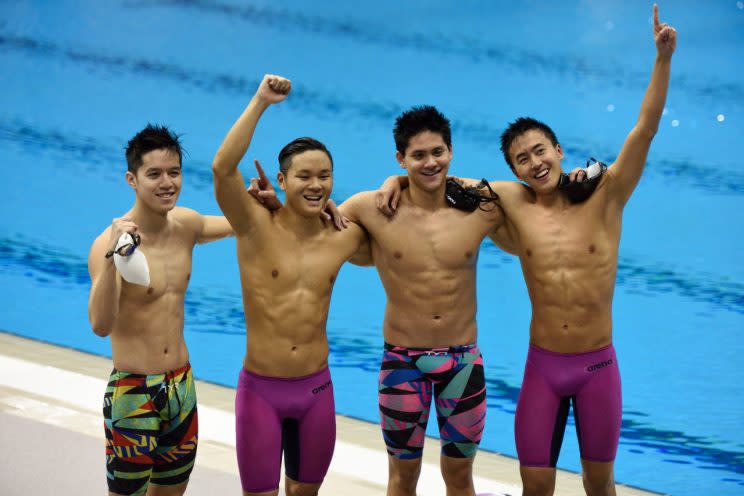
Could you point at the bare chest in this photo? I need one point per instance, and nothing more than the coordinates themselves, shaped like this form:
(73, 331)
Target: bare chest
(170, 270)
(281, 261)
(447, 240)
(572, 237)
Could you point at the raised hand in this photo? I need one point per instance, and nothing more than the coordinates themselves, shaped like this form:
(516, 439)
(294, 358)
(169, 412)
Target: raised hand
(262, 189)
(273, 89)
(665, 36)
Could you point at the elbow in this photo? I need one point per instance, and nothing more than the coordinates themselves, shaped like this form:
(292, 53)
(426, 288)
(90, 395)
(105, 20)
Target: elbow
(217, 168)
(101, 327)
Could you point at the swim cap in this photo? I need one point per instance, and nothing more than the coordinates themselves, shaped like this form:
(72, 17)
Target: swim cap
(133, 268)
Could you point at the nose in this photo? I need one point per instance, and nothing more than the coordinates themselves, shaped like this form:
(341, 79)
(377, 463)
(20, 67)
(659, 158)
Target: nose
(314, 184)
(536, 161)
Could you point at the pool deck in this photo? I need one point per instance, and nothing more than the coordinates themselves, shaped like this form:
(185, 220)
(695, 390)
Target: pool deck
(51, 428)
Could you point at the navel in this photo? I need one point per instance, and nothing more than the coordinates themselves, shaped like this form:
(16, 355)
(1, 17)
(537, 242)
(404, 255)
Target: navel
(437, 317)
(274, 273)
(592, 248)
(165, 351)
(398, 255)
(468, 254)
(565, 327)
(150, 290)
(529, 252)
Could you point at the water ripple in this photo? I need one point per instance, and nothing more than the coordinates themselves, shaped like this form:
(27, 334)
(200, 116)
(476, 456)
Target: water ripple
(218, 311)
(600, 72)
(343, 107)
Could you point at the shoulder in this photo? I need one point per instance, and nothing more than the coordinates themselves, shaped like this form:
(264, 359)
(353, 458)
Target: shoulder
(188, 218)
(358, 204)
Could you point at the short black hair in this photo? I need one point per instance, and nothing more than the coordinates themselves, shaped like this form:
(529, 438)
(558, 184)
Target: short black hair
(297, 146)
(518, 128)
(419, 119)
(152, 137)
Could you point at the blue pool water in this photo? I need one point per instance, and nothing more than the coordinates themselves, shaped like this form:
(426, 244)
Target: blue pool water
(80, 77)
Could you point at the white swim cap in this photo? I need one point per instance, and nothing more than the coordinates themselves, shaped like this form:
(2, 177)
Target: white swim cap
(133, 268)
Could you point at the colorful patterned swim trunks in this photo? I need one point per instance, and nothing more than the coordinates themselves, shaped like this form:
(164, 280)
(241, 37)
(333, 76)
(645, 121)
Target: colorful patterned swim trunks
(151, 429)
(407, 378)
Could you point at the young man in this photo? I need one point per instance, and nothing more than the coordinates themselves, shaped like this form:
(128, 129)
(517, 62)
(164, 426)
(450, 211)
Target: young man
(426, 257)
(150, 403)
(568, 253)
(288, 260)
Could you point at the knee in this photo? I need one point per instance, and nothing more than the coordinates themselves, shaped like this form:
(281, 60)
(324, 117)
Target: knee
(460, 478)
(537, 487)
(404, 479)
(598, 485)
(292, 488)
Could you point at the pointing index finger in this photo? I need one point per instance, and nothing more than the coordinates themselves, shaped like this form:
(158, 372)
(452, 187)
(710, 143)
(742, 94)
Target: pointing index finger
(263, 180)
(656, 17)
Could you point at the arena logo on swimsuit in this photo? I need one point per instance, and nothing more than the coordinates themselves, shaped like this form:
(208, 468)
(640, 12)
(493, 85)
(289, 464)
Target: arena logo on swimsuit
(597, 366)
(321, 388)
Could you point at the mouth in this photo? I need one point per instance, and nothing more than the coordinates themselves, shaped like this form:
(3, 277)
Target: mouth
(541, 174)
(313, 200)
(431, 172)
(166, 196)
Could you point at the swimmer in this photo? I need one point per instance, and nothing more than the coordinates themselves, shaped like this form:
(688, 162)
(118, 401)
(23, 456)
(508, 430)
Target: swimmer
(569, 254)
(289, 260)
(426, 257)
(150, 412)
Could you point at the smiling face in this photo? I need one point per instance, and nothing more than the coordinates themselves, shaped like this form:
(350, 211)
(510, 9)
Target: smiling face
(536, 161)
(308, 182)
(157, 182)
(427, 158)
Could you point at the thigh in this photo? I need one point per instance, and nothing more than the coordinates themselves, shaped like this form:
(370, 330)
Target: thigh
(132, 427)
(460, 399)
(258, 439)
(308, 442)
(540, 421)
(598, 413)
(404, 396)
(176, 452)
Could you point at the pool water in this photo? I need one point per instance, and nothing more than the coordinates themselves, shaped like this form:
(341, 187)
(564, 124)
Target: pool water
(80, 78)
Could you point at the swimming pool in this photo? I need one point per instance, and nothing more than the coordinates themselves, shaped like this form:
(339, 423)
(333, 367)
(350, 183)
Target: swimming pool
(79, 78)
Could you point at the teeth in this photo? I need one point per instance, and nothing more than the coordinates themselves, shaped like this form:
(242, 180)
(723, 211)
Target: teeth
(541, 174)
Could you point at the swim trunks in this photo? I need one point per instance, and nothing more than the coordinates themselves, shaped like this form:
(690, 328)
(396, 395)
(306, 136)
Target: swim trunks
(407, 378)
(591, 381)
(151, 429)
(295, 416)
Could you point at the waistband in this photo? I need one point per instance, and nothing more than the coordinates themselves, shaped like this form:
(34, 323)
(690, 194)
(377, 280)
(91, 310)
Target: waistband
(405, 350)
(325, 371)
(150, 377)
(537, 349)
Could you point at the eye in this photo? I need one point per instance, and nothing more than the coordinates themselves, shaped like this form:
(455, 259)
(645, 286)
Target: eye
(540, 151)
(325, 177)
(438, 152)
(175, 173)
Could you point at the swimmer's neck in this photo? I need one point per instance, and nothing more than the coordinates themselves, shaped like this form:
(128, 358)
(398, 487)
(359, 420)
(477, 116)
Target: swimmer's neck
(426, 200)
(303, 227)
(552, 200)
(148, 221)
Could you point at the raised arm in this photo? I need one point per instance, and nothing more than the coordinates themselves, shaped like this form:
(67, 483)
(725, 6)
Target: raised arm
(105, 289)
(229, 186)
(628, 167)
